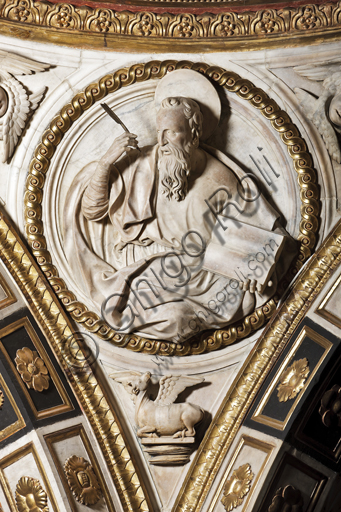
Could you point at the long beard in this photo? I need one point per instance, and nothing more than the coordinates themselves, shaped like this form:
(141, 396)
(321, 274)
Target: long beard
(174, 170)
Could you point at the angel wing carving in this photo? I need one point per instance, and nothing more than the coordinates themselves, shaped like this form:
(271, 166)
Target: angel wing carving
(12, 64)
(326, 118)
(16, 105)
(171, 386)
(319, 71)
(315, 110)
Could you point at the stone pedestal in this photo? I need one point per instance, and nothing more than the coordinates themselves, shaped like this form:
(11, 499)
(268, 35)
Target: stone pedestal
(167, 451)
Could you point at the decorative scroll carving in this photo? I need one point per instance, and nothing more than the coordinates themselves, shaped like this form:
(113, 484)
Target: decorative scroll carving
(2, 399)
(237, 487)
(267, 22)
(288, 498)
(63, 16)
(293, 21)
(281, 123)
(30, 496)
(227, 25)
(82, 480)
(32, 369)
(330, 409)
(292, 380)
(166, 428)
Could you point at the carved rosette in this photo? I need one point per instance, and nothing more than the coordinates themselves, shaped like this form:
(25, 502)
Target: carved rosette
(289, 499)
(330, 409)
(292, 380)
(32, 369)
(237, 487)
(82, 480)
(30, 496)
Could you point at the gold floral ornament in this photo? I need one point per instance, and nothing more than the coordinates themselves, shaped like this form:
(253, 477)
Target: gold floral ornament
(2, 399)
(32, 369)
(82, 480)
(237, 487)
(30, 496)
(292, 380)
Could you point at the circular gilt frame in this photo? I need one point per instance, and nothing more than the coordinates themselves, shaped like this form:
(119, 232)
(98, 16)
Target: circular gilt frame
(281, 123)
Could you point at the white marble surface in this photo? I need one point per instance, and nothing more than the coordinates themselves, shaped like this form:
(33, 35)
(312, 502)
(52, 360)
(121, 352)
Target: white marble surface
(244, 132)
(74, 69)
(26, 466)
(68, 449)
(333, 305)
(16, 292)
(259, 460)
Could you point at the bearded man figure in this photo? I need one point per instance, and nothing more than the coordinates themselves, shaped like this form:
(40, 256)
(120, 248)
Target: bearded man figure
(137, 239)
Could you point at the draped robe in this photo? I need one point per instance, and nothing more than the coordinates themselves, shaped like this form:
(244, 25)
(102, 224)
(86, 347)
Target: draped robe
(129, 259)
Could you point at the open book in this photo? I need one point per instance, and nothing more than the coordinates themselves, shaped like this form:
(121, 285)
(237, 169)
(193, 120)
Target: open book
(244, 252)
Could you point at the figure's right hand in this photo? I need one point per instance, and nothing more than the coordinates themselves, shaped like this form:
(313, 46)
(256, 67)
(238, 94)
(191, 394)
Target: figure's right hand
(124, 142)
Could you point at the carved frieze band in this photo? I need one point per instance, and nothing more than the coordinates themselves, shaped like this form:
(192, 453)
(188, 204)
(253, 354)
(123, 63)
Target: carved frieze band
(264, 23)
(280, 122)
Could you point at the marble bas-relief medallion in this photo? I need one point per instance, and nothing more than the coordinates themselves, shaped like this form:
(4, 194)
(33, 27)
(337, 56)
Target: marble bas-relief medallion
(154, 233)
(16, 104)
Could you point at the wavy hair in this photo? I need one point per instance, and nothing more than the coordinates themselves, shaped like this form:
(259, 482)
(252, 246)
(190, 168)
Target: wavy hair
(191, 111)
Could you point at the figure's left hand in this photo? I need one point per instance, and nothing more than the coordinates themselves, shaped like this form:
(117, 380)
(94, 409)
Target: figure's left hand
(252, 285)
(248, 285)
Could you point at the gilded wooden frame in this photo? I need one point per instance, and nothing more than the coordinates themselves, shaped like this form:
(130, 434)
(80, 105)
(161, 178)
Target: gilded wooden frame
(66, 406)
(67, 433)
(322, 310)
(148, 28)
(254, 443)
(258, 415)
(219, 436)
(280, 122)
(20, 422)
(14, 457)
(10, 297)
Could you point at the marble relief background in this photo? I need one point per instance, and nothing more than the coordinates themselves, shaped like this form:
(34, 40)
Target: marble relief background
(250, 141)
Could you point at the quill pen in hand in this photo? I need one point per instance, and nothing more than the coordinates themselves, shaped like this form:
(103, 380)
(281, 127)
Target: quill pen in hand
(115, 118)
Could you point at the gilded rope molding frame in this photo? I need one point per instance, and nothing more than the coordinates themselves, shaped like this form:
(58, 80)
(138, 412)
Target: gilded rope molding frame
(123, 30)
(59, 331)
(39, 166)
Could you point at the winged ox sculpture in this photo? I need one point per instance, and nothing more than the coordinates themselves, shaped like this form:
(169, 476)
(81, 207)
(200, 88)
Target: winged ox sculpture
(161, 417)
(16, 104)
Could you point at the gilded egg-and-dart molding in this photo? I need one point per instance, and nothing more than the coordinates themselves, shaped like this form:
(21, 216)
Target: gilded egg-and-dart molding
(82, 480)
(32, 369)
